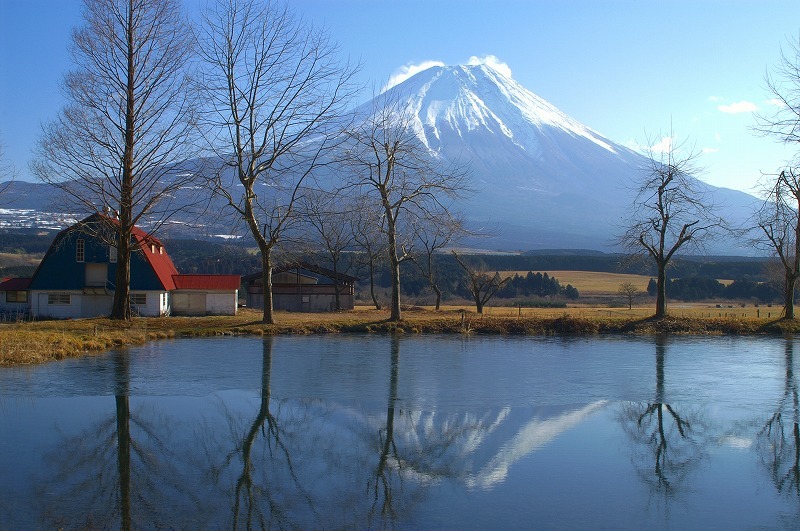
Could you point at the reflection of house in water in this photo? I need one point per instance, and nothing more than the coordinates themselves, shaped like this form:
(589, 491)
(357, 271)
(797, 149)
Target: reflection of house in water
(302, 287)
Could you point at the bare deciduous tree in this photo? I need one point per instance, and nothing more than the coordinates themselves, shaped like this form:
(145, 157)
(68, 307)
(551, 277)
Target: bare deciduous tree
(670, 210)
(275, 91)
(629, 291)
(128, 121)
(433, 234)
(783, 84)
(329, 216)
(366, 226)
(778, 217)
(779, 221)
(481, 284)
(389, 163)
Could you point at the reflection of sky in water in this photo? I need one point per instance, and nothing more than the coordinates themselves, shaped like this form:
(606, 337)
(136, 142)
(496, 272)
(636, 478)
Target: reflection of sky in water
(477, 432)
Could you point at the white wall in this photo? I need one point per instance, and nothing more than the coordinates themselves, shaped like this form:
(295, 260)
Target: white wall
(156, 304)
(222, 302)
(40, 308)
(11, 310)
(195, 302)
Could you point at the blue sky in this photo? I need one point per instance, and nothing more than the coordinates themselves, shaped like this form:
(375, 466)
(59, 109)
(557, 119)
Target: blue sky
(627, 69)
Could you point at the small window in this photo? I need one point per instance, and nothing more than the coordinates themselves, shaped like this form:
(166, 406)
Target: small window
(80, 251)
(59, 298)
(112, 254)
(16, 296)
(139, 299)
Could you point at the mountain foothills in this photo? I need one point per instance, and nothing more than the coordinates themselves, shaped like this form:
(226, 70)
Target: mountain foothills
(538, 179)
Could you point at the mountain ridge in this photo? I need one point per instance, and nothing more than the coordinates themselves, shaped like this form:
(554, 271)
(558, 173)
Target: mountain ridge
(541, 179)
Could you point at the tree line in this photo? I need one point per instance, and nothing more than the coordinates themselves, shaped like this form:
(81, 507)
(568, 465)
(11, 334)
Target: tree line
(703, 288)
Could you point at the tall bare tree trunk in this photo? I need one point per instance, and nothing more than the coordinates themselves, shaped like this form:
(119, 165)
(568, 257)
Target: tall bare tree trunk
(788, 295)
(394, 263)
(266, 282)
(661, 292)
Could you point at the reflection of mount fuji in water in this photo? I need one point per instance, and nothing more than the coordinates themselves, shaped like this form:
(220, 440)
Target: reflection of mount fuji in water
(479, 449)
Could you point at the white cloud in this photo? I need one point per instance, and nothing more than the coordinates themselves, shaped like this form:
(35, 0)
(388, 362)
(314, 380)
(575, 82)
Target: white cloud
(776, 102)
(407, 71)
(738, 107)
(710, 150)
(662, 146)
(714, 99)
(492, 62)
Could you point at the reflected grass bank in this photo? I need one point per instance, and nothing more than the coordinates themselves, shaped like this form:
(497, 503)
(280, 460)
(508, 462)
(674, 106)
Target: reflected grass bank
(42, 341)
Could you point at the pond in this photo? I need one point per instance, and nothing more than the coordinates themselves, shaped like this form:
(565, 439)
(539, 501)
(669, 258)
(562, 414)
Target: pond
(409, 432)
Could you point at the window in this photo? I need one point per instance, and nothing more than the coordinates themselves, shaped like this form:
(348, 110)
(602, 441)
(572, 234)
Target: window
(139, 299)
(16, 296)
(112, 254)
(59, 298)
(80, 250)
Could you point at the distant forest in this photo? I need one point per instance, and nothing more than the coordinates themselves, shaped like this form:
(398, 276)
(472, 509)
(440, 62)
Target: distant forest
(690, 279)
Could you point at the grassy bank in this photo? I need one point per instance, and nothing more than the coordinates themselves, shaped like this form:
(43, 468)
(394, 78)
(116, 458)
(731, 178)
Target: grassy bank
(36, 342)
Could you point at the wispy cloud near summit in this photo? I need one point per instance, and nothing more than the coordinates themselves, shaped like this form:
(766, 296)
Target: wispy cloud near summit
(492, 62)
(409, 70)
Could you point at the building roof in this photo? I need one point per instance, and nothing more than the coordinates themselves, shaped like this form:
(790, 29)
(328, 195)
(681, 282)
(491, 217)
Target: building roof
(211, 282)
(154, 252)
(341, 278)
(15, 284)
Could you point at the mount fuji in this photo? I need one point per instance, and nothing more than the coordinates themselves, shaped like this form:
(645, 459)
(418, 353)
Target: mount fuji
(540, 178)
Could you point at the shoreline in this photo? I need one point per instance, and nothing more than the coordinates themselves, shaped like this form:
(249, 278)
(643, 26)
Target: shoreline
(34, 342)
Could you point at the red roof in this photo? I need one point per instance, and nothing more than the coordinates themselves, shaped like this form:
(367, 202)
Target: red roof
(157, 257)
(212, 282)
(15, 284)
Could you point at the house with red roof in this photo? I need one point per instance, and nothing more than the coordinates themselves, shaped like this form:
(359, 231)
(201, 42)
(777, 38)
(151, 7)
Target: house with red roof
(14, 298)
(76, 277)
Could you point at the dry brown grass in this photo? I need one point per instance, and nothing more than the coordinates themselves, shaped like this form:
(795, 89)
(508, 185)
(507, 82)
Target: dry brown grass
(591, 283)
(18, 260)
(40, 341)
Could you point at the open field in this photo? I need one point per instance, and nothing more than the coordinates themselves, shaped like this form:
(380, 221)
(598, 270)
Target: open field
(8, 260)
(591, 283)
(41, 341)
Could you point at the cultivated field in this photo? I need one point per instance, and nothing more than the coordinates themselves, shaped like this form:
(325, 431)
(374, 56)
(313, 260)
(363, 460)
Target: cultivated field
(591, 283)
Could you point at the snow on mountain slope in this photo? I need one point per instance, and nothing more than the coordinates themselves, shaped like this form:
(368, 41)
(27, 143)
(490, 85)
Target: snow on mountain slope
(541, 178)
(468, 98)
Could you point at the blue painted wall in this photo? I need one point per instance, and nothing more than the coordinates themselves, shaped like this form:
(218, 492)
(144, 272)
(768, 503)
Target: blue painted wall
(59, 269)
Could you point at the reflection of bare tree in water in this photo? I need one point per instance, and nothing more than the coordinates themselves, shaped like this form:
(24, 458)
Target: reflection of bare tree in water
(387, 444)
(119, 473)
(305, 463)
(426, 454)
(669, 437)
(262, 499)
(779, 439)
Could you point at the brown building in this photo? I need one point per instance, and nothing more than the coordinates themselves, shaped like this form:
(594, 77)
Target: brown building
(302, 287)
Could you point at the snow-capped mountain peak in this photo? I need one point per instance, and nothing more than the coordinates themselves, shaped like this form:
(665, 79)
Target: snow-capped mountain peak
(475, 99)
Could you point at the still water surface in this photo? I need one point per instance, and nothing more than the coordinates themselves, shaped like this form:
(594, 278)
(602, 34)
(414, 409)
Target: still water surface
(409, 432)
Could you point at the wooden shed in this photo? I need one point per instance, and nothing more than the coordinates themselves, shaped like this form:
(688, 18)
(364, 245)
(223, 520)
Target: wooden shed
(303, 287)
